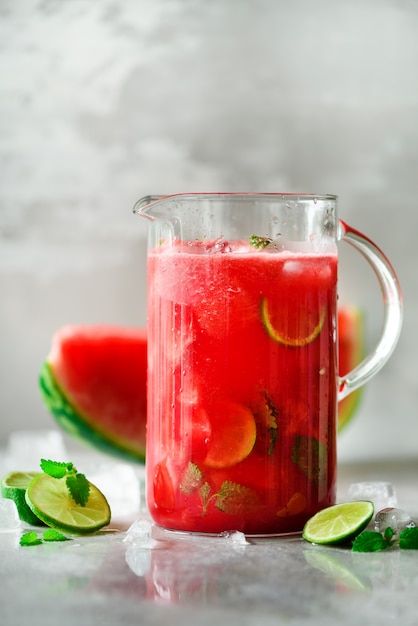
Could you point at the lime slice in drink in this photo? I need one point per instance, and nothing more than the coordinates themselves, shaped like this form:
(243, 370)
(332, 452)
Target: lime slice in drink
(50, 500)
(297, 330)
(233, 434)
(13, 487)
(339, 522)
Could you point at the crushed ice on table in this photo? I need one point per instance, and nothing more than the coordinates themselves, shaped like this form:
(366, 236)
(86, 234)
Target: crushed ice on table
(382, 494)
(391, 517)
(234, 537)
(139, 531)
(9, 517)
(120, 485)
(26, 448)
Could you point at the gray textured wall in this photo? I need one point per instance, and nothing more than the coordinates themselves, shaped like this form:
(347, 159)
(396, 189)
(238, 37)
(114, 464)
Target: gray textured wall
(103, 102)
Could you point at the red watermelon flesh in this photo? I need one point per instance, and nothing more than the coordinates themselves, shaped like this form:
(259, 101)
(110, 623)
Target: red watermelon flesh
(350, 353)
(100, 370)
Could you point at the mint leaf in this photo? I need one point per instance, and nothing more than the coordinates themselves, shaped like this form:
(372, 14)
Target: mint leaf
(370, 541)
(54, 535)
(235, 499)
(259, 242)
(54, 468)
(310, 455)
(79, 488)
(30, 539)
(408, 539)
(266, 412)
(191, 479)
(204, 492)
(388, 534)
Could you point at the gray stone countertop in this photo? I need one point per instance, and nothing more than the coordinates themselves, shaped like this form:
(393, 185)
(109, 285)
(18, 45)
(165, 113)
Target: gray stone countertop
(169, 578)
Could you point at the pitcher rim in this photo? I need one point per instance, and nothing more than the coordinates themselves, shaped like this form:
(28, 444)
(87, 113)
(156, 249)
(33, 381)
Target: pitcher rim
(147, 201)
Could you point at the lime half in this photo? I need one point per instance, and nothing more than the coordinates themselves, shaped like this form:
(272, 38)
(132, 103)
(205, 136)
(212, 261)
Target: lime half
(13, 487)
(339, 522)
(50, 500)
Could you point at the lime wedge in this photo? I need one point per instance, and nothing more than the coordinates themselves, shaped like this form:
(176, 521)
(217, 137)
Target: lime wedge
(50, 500)
(339, 522)
(13, 487)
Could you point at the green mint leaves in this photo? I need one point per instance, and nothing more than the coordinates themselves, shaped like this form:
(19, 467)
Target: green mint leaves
(77, 484)
(310, 455)
(408, 539)
(259, 242)
(372, 541)
(231, 498)
(31, 538)
(79, 488)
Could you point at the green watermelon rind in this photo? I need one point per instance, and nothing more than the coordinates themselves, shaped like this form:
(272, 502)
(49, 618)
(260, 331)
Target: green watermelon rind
(74, 424)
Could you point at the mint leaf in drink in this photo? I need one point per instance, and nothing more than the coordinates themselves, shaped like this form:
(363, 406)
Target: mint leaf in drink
(191, 479)
(205, 492)
(408, 539)
(370, 541)
(259, 242)
(235, 499)
(30, 539)
(54, 468)
(54, 535)
(266, 415)
(79, 488)
(310, 455)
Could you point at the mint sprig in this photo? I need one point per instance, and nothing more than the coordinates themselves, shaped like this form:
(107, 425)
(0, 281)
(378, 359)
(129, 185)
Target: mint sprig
(373, 541)
(77, 484)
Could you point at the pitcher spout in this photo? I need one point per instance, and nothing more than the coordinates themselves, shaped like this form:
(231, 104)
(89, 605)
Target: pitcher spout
(143, 204)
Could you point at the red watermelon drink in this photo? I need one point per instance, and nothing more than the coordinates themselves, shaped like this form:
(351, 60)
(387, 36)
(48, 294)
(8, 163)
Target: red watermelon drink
(242, 386)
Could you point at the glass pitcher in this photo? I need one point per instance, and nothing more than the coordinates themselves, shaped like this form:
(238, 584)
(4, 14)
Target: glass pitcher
(243, 378)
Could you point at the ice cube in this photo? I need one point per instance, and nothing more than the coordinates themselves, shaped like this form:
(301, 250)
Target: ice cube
(138, 531)
(119, 484)
(26, 448)
(235, 537)
(382, 494)
(391, 517)
(9, 517)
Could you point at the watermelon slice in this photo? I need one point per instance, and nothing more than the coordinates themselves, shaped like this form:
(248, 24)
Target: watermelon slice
(94, 383)
(350, 353)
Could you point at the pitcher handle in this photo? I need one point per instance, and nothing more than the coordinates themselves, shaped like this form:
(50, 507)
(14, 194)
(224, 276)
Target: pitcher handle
(392, 311)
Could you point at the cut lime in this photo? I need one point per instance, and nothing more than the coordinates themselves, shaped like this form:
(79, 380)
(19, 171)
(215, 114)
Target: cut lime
(13, 487)
(50, 500)
(339, 522)
(295, 331)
